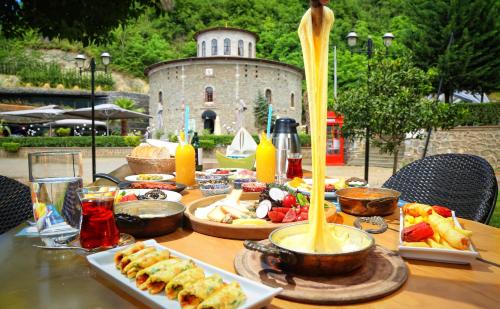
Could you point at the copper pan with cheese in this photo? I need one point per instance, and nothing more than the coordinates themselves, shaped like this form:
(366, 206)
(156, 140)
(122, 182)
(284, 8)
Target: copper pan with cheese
(287, 243)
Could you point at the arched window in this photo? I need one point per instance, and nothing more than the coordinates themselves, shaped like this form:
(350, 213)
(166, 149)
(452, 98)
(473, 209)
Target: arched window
(203, 49)
(209, 94)
(214, 47)
(240, 48)
(227, 46)
(160, 97)
(250, 50)
(269, 98)
(292, 100)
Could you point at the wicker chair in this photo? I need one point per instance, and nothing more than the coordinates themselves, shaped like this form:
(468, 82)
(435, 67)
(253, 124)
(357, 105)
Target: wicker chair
(15, 203)
(464, 183)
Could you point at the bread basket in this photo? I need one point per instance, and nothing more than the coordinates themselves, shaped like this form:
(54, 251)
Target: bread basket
(151, 166)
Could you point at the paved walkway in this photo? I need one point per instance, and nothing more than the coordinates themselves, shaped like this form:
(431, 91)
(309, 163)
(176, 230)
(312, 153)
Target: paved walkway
(17, 168)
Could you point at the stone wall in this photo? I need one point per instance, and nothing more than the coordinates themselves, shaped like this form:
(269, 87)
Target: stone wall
(482, 141)
(183, 82)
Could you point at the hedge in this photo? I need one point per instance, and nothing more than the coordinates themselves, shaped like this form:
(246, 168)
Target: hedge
(74, 141)
(478, 114)
(11, 146)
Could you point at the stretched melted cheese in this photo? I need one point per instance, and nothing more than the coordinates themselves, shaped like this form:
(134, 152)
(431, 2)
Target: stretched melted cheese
(315, 53)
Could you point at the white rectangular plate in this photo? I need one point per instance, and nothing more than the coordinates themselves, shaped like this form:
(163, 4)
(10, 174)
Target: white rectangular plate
(434, 254)
(258, 295)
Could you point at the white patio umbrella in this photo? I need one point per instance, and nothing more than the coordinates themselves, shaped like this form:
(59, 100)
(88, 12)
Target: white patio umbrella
(47, 113)
(74, 122)
(107, 112)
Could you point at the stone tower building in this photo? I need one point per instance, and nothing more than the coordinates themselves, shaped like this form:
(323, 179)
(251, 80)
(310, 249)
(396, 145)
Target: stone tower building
(224, 77)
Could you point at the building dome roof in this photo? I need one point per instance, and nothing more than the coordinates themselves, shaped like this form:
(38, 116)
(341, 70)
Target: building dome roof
(227, 29)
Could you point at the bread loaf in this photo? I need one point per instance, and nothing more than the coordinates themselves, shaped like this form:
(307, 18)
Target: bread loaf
(147, 151)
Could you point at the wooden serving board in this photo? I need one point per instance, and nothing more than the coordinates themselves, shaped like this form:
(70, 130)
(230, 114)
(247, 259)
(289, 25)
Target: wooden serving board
(224, 230)
(384, 273)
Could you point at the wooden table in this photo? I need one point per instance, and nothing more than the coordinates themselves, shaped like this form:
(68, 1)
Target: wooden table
(430, 284)
(38, 278)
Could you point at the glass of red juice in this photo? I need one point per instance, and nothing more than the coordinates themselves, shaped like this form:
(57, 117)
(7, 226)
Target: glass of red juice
(98, 228)
(294, 166)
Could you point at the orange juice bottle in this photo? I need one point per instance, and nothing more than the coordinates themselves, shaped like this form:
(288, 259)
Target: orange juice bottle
(185, 164)
(266, 160)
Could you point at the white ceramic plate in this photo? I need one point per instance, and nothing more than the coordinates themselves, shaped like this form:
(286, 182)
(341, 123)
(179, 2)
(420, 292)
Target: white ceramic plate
(232, 171)
(434, 254)
(135, 178)
(171, 195)
(308, 181)
(258, 295)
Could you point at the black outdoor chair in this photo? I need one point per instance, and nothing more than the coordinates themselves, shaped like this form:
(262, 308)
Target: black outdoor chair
(464, 183)
(15, 203)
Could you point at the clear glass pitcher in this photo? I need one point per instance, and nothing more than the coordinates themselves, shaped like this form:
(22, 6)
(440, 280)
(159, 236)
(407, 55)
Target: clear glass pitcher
(55, 178)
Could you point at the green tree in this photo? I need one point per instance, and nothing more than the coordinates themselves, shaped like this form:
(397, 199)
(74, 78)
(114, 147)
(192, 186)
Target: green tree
(84, 20)
(461, 38)
(260, 111)
(130, 105)
(393, 104)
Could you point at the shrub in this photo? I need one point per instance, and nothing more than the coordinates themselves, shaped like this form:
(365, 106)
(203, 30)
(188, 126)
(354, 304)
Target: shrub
(305, 140)
(207, 144)
(73, 141)
(63, 131)
(478, 114)
(132, 140)
(11, 146)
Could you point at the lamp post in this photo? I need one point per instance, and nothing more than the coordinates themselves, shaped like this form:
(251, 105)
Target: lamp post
(80, 62)
(352, 38)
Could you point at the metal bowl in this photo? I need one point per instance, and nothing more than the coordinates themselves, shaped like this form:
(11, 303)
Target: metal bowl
(314, 264)
(368, 201)
(149, 218)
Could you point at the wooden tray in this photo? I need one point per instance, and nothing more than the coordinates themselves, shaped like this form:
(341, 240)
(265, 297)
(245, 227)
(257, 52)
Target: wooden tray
(224, 230)
(384, 273)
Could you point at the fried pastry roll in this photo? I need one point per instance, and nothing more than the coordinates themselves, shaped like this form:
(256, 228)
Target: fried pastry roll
(231, 296)
(158, 281)
(142, 277)
(134, 256)
(127, 251)
(195, 294)
(183, 280)
(147, 260)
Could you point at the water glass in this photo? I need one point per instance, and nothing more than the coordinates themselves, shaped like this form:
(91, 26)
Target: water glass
(55, 178)
(98, 221)
(294, 166)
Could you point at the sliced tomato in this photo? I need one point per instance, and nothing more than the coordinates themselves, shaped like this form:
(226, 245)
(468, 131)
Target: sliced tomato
(304, 209)
(128, 198)
(276, 216)
(303, 216)
(291, 216)
(283, 210)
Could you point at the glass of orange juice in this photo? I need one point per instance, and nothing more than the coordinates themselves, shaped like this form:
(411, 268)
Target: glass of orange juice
(185, 164)
(266, 160)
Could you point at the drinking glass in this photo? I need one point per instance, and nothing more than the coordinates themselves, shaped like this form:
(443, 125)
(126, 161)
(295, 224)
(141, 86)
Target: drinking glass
(55, 178)
(281, 166)
(294, 166)
(98, 221)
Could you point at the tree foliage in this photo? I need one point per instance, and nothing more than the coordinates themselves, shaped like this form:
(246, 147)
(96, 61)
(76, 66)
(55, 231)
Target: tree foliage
(83, 20)
(392, 104)
(260, 111)
(130, 105)
(461, 38)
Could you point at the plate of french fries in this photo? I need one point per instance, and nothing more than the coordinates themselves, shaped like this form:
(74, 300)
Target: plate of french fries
(433, 233)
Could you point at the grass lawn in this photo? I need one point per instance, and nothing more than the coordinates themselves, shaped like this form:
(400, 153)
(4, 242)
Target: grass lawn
(495, 219)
